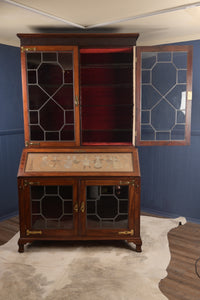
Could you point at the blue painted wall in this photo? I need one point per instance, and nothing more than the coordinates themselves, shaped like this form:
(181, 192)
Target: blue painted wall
(171, 175)
(11, 128)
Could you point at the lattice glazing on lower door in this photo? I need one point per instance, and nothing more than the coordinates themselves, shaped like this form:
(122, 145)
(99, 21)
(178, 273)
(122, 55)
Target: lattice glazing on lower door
(107, 206)
(52, 207)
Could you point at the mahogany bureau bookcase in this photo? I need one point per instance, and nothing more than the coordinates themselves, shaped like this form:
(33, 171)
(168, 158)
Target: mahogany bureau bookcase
(88, 101)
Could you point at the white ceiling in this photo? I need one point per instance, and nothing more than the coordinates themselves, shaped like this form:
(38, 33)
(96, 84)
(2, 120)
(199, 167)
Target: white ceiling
(157, 21)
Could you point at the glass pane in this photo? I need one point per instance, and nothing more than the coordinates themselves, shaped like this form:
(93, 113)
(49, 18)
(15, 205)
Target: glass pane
(36, 133)
(121, 192)
(33, 117)
(107, 206)
(64, 97)
(68, 207)
(52, 206)
(181, 116)
(145, 116)
(162, 116)
(51, 190)
(67, 133)
(178, 132)
(69, 116)
(52, 136)
(51, 116)
(164, 56)
(65, 60)
(32, 77)
(50, 77)
(38, 222)
(163, 95)
(33, 60)
(66, 192)
(107, 190)
(177, 96)
(49, 56)
(147, 133)
(66, 222)
(37, 97)
(162, 136)
(37, 192)
(51, 96)
(36, 207)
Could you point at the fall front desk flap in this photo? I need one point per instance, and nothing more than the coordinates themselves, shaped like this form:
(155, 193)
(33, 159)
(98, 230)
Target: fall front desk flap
(75, 162)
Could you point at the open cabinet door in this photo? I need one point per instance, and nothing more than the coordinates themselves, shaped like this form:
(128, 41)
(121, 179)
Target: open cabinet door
(163, 95)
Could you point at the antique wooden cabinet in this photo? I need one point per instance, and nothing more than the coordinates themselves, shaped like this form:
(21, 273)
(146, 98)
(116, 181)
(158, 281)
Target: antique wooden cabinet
(86, 101)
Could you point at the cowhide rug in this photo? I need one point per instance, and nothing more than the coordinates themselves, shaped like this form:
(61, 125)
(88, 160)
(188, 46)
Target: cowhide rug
(88, 270)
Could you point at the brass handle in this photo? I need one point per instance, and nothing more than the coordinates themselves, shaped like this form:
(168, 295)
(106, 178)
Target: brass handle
(76, 207)
(131, 232)
(29, 232)
(82, 208)
(127, 182)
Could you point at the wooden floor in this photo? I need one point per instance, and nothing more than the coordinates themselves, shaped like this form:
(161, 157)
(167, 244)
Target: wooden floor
(182, 282)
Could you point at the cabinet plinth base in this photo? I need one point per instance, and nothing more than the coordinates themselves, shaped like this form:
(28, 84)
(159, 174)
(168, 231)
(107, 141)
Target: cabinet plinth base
(22, 241)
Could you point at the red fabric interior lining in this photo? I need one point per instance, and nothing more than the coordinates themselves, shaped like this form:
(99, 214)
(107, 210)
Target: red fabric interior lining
(106, 76)
(106, 96)
(107, 50)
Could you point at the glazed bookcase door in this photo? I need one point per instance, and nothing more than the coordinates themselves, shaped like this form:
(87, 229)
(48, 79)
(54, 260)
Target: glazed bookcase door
(163, 95)
(109, 208)
(51, 95)
(51, 207)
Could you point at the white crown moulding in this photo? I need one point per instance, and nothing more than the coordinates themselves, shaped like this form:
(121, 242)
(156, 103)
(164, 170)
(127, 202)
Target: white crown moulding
(148, 14)
(140, 16)
(40, 12)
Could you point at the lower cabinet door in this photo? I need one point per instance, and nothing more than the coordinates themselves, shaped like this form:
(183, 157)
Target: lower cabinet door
(109, 208)
(52, 208)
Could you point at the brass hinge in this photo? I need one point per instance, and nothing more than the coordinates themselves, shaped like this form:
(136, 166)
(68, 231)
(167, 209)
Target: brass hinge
(27, 144)
(29, 232)
(135, 133)
(189, 95)
(131, 232)
(76, 101)
(131, 182)
(26, 183)
(23, 49)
